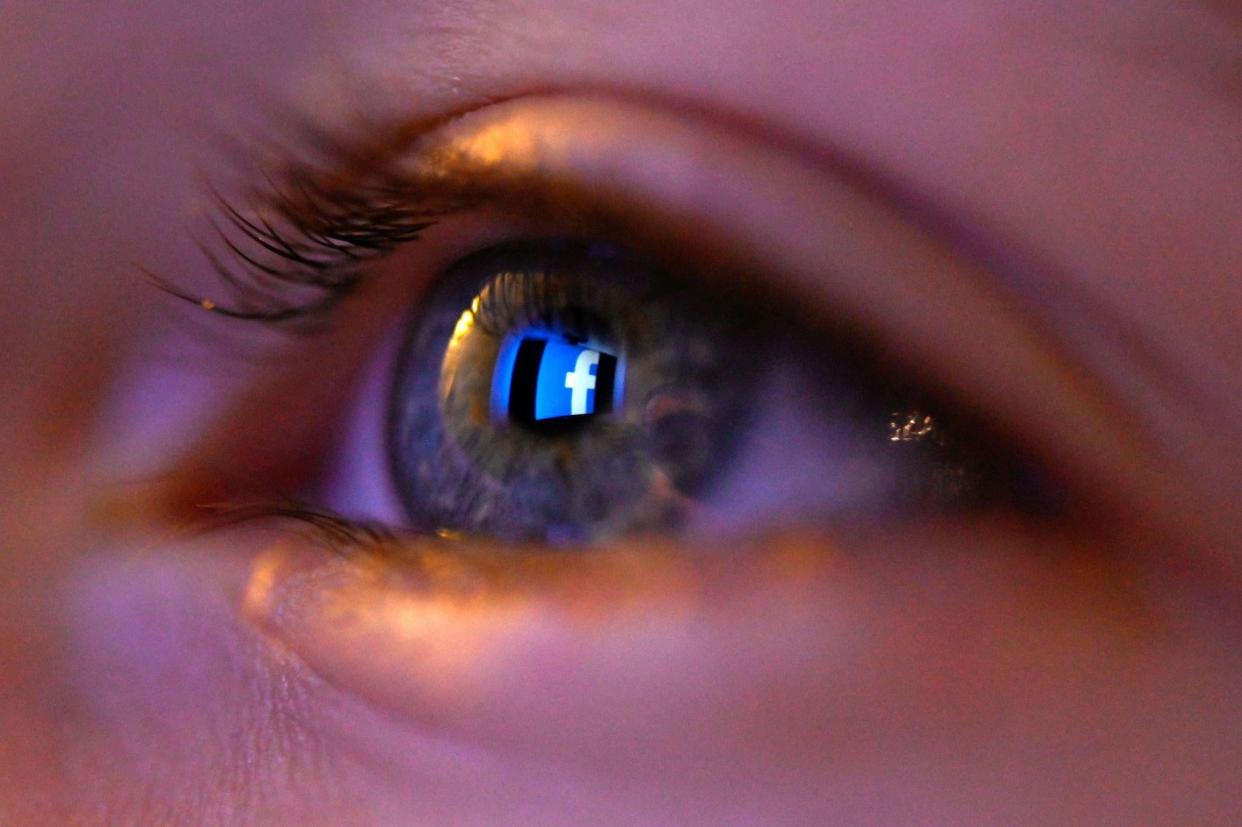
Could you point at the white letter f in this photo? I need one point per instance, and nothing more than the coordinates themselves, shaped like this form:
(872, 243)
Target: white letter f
(579, 381)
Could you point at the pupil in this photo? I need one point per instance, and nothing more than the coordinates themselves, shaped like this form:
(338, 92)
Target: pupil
(543, 381)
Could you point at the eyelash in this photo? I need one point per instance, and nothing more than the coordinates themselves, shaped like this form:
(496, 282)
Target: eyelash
(295, 250)
(338, 533)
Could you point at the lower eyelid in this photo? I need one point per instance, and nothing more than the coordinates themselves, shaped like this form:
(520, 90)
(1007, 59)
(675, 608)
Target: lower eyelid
(500, 649)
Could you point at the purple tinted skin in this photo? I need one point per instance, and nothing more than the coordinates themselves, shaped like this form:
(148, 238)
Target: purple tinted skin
(970, 669)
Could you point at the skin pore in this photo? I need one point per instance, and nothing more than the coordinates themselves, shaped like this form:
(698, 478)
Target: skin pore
(1069, 168)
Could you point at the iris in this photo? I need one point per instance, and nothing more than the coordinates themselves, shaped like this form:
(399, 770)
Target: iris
(565, 392)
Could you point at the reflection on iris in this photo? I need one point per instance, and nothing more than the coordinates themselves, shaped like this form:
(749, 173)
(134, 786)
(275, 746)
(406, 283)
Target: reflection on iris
(913, 426)
(540, 379)
(563, 392)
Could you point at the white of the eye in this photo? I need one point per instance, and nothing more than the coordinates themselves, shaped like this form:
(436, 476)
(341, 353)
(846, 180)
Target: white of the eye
(357, 481)
(799, 460)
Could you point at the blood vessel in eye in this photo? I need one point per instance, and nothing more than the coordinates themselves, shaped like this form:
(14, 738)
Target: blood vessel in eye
(541, 378)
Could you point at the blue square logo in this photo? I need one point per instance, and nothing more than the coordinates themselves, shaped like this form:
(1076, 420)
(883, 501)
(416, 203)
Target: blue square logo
(539, 379)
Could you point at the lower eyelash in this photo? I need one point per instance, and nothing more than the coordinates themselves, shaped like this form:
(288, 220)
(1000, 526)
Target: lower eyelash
(334, 531)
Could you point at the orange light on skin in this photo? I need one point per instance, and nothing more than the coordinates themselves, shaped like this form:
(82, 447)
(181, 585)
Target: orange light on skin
(503, 143)
(441, 619)
(439, 595)
(437, 619)
(263, 577)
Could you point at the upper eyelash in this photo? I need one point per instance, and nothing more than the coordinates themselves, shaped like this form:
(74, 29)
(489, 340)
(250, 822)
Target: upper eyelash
(291, 252)
(318, 258)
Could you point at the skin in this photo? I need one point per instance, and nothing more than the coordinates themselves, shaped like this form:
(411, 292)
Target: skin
(1065, 172)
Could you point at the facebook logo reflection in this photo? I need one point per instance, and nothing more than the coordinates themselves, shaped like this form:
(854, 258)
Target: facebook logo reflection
(540, 379)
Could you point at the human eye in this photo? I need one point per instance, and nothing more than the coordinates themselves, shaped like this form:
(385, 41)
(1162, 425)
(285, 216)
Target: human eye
(909, 502)
(715, 401)
(467, 566)
(566, 392)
